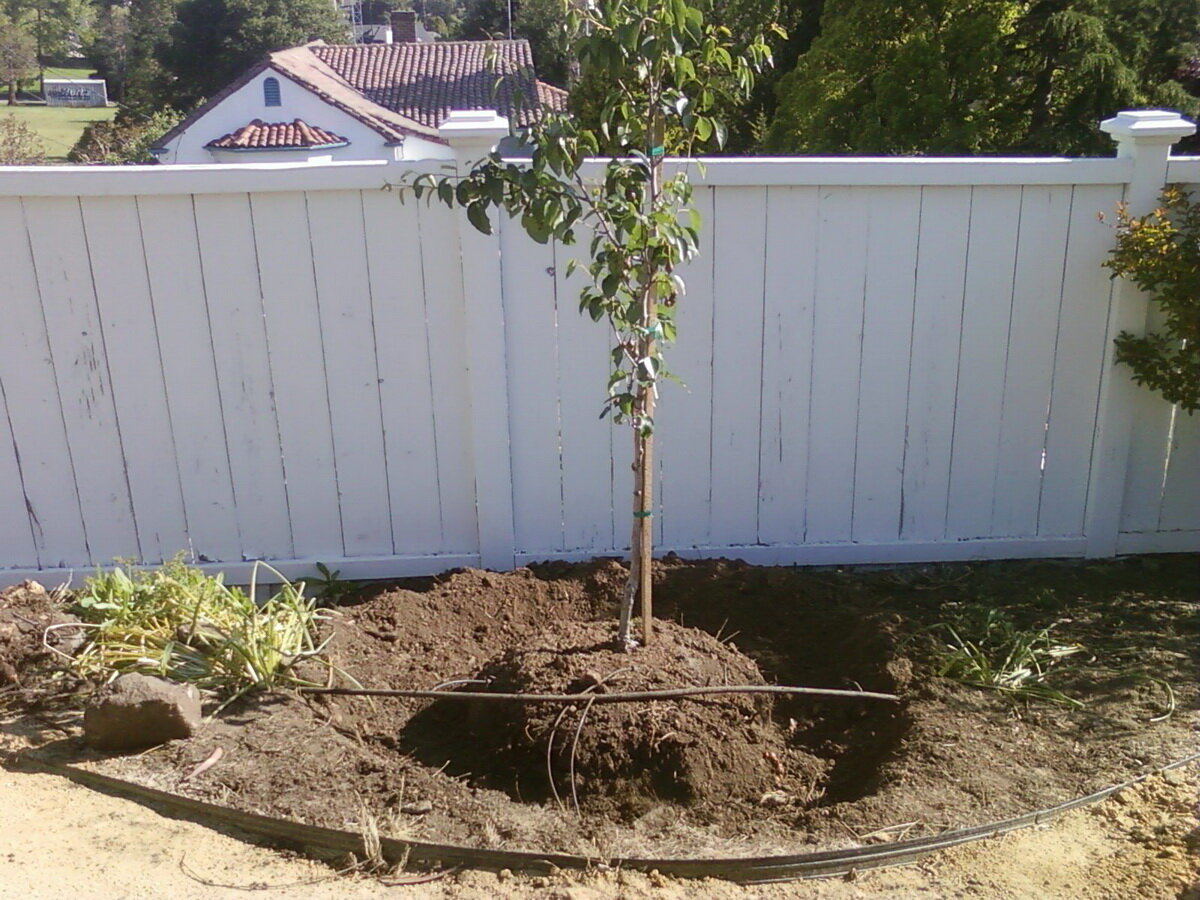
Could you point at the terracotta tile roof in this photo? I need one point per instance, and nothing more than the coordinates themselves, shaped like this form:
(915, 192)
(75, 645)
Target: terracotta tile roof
(406, 89)
(424, 81)
(294, 135)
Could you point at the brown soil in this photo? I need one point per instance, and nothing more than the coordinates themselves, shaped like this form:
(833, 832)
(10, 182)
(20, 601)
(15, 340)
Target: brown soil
(686, 778)
(27, 613)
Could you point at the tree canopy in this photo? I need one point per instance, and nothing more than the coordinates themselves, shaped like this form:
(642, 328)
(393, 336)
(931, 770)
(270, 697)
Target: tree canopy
(215, 41)
(981, 76)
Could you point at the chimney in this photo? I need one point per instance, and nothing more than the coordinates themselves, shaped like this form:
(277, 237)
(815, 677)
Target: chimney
(404, 26)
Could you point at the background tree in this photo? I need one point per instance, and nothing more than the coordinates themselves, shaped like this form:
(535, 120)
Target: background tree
(665, 63)
(215, 41)
(19, 144)
(981, 76)
(542, 22)
(125, 42)
(18, 55)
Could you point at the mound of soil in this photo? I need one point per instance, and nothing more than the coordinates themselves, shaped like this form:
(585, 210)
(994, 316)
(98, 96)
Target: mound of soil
(622, 759)
(850, 773)
(27, 610)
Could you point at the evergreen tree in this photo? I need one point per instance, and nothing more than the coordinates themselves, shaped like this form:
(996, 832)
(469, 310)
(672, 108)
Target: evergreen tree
(981, 76)
(215, 41)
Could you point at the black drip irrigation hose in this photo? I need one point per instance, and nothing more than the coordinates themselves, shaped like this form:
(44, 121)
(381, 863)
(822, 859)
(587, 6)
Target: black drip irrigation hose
(597, 698)
(744, 870)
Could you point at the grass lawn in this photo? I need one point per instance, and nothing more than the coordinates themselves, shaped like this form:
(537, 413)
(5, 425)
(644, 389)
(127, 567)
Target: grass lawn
(58, 126)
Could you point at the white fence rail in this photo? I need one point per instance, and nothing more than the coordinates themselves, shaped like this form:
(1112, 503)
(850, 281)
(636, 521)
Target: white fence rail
(885, 361)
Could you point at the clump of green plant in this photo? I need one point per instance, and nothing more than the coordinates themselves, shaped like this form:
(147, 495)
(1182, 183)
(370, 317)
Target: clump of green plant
(177, 622)
(1160, 253)
(328, 586)
(991, 652)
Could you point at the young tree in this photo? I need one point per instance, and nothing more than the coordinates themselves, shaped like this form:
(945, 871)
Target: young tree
(18, 55)
(666, 63)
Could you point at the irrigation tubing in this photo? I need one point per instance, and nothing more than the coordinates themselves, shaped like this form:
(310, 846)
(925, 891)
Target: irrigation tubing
(627, 697)
(745, 870)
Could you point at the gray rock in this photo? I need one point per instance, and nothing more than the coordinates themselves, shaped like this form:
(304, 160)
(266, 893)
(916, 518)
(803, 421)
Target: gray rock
(138, 711)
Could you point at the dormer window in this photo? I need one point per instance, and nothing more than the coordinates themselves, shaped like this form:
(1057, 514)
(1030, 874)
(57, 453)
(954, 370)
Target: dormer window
(271, 92)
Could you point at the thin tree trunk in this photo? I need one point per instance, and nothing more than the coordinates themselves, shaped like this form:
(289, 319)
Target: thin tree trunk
(641, 571)
(12, 93)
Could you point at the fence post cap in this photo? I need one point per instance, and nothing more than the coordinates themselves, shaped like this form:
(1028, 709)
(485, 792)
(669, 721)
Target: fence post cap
(1155, 124)
(473, 128)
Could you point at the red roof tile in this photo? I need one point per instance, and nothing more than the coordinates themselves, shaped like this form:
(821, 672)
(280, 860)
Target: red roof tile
(424, 81)
(260, 135)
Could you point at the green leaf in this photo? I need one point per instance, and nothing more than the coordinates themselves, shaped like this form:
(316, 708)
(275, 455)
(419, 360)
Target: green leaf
(477, 215)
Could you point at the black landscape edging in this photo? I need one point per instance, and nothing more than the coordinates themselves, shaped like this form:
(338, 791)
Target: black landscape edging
(745, 870)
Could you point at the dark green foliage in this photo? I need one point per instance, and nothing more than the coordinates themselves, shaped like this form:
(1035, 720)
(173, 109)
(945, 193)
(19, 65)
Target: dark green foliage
(124, 47)
(126, 139)
(982, 76)
(215, 41)
(1160, 253)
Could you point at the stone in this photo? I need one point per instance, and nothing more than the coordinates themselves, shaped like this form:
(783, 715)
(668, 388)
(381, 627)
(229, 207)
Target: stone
(417, 808)
(139, 711)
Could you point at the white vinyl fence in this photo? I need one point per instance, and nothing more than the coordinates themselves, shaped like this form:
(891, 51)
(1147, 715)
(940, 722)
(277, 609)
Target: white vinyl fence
(885, 360)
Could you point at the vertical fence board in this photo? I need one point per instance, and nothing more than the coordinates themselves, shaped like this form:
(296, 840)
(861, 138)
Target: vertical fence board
(393, 246)
(535, 394)
(81, 365)
(684, 418)
(298, 364)
(883, 371)
(983, 348)
(348, 337)
(583, 369)
(837, 353)
(16, 527)
(50, 503)
(1037, 297)
(1077, 362)
(122, 284)
(740, 231)
(1181, 488)
(230, 265)
(933, 375)
(189, 374)
(790, 283)
(445, 312)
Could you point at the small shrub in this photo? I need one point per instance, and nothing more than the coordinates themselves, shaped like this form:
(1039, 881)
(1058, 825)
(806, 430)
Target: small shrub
(1160, 253)
(126, 139)
(20, 145)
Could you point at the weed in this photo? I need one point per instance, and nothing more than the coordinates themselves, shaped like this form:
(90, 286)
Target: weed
(330, 588)
(999, 656)
(178, 623)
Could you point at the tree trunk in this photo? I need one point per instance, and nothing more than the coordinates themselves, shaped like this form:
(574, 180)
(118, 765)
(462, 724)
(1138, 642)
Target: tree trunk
(12, 93)
(642, 541)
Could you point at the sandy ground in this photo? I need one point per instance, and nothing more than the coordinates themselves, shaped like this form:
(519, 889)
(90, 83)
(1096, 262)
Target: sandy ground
(58, 839)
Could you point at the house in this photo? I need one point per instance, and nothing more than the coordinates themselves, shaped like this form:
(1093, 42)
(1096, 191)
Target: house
(323, 102)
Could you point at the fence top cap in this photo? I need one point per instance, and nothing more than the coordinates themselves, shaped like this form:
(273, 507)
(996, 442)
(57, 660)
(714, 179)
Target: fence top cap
(469, 124)
(1148, 123)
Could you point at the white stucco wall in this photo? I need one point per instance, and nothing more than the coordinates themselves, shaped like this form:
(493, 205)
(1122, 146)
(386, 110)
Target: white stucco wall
(246, 104)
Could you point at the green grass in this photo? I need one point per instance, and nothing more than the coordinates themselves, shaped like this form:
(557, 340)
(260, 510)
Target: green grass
(59, 126)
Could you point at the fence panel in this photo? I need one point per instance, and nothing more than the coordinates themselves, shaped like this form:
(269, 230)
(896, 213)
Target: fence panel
(882, 361)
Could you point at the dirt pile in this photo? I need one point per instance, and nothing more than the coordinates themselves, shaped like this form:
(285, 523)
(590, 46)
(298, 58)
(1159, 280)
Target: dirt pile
(621, 759)
(30, 642)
